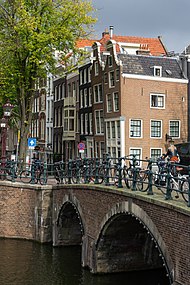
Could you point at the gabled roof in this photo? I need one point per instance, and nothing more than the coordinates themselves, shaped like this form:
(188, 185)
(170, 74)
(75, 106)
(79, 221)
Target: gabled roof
(154, 45)
(144, 65)
(82, 43)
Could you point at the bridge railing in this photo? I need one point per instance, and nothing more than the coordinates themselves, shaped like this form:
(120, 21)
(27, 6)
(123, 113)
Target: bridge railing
(130, 172)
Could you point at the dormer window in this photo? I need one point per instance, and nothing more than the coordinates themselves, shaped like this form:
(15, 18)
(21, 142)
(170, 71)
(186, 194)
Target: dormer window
(158, 71)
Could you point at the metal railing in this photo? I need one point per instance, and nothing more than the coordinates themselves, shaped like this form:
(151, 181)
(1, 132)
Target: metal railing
(124, 172)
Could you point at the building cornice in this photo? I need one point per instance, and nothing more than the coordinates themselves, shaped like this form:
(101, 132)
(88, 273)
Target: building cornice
(162, 79)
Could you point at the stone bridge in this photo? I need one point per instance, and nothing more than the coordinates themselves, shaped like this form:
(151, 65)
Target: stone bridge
(118, 229)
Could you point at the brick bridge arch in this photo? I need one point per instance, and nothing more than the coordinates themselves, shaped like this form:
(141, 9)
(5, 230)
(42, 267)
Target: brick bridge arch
(95, 210)
(127, 239)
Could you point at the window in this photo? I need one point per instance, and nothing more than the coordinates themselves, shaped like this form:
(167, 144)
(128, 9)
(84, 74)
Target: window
(82, 124)
(116, 101)
(157, 70)
(157, 101)
(111, 79)
(89, 74)
(137, 152)
(117, 74)
(85, 75)
(63, 90)
(90, 123)
(135, 128)
(109, 103)
(118, 129)
(156, 129)
(96, 68)
(110, 60)
(90, 96)
(99, 122)
(69, 90)
(155, 153)
(81, 98)
(174, 129)
(98, 93)
(86, 123)
(81, 77)
(108, 130)
(85, 98)
(69, 121)
(113, 129)
(74, 89)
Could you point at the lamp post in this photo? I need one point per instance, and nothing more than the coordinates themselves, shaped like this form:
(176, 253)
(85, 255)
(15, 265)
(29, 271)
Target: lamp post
(7, 108)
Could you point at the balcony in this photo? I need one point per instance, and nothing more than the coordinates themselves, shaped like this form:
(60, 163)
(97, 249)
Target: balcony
(69, 101)
(68, 135)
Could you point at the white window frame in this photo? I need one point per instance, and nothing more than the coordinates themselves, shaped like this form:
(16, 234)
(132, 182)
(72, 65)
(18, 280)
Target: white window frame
(155, 148)
(109, 103)
(152, 137)
(111, 79)
(90, 123)
(86, 123)
(170, 128)
(110, 60)
(90, 96)
(99, 124)
(82, 124)
(81, 76)
(158, 69)
(85, 97)
(141, 129)
(114, 102)
(139, 163)
(99, 95)
(157, 95)
(81, 98)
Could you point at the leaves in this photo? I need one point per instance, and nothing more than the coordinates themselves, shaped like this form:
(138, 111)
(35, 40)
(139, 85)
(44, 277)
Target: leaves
(30, 32)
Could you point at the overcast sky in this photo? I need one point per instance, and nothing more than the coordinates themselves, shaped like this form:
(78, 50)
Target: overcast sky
(147, 18)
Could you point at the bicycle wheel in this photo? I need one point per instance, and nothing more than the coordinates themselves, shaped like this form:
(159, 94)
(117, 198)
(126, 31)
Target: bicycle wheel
(128, 177)
(185, 190)
(142, 182)
(25, 176)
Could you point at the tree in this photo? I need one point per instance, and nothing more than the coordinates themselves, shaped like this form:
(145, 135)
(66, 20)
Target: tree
(29, 33)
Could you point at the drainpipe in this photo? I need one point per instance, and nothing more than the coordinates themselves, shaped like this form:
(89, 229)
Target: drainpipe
(122, 135)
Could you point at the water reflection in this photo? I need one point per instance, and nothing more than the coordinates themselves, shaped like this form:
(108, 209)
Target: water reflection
(29, 263)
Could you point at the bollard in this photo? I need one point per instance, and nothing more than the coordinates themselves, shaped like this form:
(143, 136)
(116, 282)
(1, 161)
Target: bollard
(150, 175)
(96, 171)
(120, 172)
(107, 170)
(134, 184)
(168, 177)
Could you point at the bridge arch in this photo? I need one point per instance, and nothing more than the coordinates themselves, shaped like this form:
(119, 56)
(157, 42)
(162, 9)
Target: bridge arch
(68, 226)
(129, 240)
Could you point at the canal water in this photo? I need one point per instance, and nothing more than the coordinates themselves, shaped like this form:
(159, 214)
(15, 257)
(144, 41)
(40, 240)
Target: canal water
(28, 263)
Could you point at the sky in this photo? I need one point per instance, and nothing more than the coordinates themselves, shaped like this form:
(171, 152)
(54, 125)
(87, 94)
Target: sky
(169, 19)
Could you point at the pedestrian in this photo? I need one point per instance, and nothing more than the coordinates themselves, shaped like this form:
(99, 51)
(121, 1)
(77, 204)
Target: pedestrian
(172, 153)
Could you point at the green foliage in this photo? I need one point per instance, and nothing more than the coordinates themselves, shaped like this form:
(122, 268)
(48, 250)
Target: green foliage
(30, 32)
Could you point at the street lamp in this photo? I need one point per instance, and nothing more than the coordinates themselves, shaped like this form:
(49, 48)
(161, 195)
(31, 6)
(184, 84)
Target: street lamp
(7, 108)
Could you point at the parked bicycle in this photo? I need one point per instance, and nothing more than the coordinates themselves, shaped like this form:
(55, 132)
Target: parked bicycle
(34, 173)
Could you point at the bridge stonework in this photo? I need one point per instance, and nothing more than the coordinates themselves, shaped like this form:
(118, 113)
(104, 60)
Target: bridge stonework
(119, 230)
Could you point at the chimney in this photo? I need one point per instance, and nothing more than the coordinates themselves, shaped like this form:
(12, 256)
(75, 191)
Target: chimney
(105, 33)
(111, 32)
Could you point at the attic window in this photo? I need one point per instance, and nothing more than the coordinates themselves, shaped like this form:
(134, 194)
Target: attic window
(158, 71)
